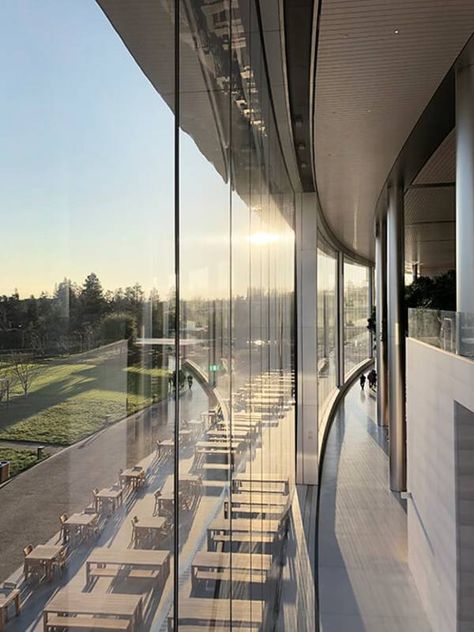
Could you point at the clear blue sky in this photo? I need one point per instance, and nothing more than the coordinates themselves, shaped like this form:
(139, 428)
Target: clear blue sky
(86, 162)
(86, 165)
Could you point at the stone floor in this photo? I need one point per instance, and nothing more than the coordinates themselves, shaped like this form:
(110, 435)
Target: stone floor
(364, 581)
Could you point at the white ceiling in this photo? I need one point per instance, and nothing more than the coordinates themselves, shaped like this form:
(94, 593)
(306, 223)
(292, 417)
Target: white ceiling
(430, 210)
(378, 64)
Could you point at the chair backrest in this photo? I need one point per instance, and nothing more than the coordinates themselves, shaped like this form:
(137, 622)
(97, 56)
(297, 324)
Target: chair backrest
(63, 518)
(27, 550)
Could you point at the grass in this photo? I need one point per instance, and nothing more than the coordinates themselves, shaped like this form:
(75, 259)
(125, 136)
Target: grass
(73, 398)
(20, 459)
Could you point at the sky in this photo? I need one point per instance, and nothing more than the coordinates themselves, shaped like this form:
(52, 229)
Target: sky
(86, 165)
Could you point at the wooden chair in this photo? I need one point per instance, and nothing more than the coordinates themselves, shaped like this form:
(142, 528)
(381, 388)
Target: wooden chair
(61, 561)
(157, 496)
(27, 567)
(63, 519)
(134, 540)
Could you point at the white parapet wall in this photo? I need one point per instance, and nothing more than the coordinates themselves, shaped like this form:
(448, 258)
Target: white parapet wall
(440, 460)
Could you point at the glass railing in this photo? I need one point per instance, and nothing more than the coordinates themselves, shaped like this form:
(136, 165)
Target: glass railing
(447, 330)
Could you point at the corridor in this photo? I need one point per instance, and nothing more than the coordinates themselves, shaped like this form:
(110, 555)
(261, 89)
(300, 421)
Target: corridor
(365, 584)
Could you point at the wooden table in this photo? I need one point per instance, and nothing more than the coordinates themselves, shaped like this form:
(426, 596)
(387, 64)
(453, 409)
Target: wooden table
(109, 494)
(217, 612)
(256, 503)
(43, 555)
(242, 530)
(165, 447)
(13, 597)
(196, 426)
(261, 482)
(83, 523)
(220, 566)
(189, 484)
(185, 436)
(225, 434)
(134, 476)
(165, 502)
(133, 563)
(149, 528)
(221, 448)
(66, 604)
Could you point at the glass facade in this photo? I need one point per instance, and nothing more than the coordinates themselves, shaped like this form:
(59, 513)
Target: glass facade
(147, 311)
(327, 324)
(356, 312)
(147, 342)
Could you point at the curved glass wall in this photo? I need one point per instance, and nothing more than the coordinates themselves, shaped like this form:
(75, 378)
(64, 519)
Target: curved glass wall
(356, 313)
(327, 323)
(147, 312)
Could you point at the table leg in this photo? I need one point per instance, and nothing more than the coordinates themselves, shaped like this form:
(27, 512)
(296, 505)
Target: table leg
(2, 618)
(17, 604)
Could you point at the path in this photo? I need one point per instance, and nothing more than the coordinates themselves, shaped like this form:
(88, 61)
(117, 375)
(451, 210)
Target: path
(365, 584)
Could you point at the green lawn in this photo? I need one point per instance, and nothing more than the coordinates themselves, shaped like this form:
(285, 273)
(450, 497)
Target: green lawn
(73, 398)
(20, 460)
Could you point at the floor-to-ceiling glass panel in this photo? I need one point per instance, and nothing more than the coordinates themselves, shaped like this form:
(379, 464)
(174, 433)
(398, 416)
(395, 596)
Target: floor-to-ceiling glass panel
(356, 313)
(327, 324)
(87, 309)
(207, 451)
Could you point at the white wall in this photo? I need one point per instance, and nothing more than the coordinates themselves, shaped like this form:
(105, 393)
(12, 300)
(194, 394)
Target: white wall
(435, 381)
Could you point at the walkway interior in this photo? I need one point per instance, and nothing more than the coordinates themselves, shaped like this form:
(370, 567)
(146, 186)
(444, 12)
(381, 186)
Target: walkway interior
(365, 584)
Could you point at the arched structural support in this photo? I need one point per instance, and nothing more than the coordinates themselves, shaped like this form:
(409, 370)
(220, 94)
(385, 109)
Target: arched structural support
(381, 319)
(396, 338)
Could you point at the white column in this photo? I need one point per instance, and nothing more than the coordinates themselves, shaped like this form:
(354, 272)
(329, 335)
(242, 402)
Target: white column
(381, 319)
(340, 368)
(465, 187)
(396, 338)
(307, 303)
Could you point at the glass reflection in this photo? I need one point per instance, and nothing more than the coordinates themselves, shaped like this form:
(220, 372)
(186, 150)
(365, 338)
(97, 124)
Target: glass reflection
(99, 358)
(356, 313)
(327, 324)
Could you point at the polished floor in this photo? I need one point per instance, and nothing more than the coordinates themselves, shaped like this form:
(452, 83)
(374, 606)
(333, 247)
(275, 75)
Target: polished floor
(365, 584)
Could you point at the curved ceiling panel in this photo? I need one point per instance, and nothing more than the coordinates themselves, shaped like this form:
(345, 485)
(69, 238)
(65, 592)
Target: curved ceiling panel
(378, 65)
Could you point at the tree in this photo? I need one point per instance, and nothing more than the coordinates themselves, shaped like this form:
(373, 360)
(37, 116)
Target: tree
(24, 370)
(118, 326)
(92, 301)
(437, 293)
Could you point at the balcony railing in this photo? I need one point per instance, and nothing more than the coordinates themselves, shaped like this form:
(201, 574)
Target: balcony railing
(447, 330)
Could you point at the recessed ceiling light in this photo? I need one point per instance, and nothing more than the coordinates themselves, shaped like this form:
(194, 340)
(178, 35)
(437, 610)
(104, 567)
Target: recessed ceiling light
(396, 31)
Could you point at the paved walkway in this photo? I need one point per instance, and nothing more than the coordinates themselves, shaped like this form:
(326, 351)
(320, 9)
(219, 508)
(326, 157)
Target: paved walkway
(32, 502)
(364, 581)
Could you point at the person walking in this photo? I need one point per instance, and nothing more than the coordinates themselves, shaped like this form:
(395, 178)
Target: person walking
(190, 381)
(372, 378)
(362, 380)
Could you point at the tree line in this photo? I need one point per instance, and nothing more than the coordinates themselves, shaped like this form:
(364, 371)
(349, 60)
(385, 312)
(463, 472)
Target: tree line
(80, 317)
